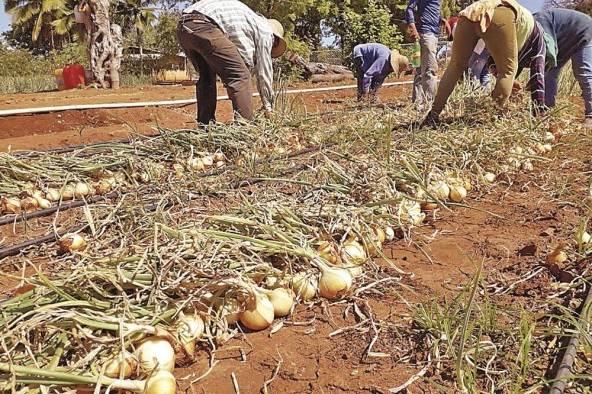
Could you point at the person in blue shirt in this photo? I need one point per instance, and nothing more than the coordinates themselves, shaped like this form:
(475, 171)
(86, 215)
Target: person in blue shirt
(425, 29)
(372, 64)
(568, 36)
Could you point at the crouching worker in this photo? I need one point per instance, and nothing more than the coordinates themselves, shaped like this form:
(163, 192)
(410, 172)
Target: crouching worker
(228, 39)
(569, 37)
(372, 64)
(508, 29)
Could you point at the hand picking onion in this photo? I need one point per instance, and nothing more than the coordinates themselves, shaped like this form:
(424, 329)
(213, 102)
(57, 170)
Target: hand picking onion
(334, 282)
(29, 204)
(11, 205)
(458, 193)
(207, 160)
(124, 365)
(162, 382)
(189, 328)
(259, 314)
(489, 177)
(282, 301)
(70, 243)
(82, 189)
(156, 354)
(353, 253)
(304, 286)
(52, 195)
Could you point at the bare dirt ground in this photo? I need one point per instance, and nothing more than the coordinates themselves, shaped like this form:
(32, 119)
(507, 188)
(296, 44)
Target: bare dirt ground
(303, 357)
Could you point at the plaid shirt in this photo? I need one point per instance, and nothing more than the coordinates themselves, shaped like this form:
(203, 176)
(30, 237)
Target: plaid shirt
(532, 55)
(251, 34)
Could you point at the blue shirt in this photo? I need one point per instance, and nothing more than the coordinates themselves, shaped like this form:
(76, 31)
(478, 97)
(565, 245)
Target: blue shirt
(571, 30)
(375, 65)
(428, 15)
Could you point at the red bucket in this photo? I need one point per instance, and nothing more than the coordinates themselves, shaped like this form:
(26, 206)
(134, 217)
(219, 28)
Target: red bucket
(73, 76)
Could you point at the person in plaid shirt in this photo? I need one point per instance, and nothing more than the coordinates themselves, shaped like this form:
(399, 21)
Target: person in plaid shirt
(228, 39)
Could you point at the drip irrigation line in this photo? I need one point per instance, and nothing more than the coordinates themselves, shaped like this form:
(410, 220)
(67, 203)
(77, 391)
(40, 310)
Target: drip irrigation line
(569, 356)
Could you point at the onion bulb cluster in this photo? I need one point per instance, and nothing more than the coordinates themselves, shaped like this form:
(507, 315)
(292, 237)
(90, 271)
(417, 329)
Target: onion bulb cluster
(207, 161)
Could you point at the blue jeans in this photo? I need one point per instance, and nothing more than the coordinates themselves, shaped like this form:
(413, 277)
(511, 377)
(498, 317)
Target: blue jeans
(478, 68)
(581, 63)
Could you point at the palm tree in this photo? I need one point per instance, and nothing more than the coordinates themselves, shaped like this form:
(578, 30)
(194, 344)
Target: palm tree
(53, 15)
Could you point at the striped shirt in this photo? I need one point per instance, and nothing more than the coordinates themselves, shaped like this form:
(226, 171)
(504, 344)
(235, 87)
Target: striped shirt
(251, 34)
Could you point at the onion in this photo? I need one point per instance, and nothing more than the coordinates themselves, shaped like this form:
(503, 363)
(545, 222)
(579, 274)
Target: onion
(220, 164)
(380, 234)
(230, 311)
(162, 382)
(102, 187)
(467, 184)
(43, 203)
(540, 148)
(557, 256)
(527, 166)
(583, 237)
(196, 164)
(410, 211)
(429, 206)
(334, 282)
(189, 329)
(82, 189)
(219, 156)
(439, 190)
(67, 192)
(549, 137)
(353, 253)
(259, 315)
(548, 147)
(156, 354)
(458, 193)
(179, 170)
(123, 365)
(52, 195)
(70, 243)
(208, 160)
(489, 177)
(29, 204)
(282, 301)
(390, 233)
(304, 286)
(327, 251)
(11, 205)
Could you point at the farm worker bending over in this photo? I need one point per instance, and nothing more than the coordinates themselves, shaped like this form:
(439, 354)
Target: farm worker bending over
(507, 28)
(425, 30)
(570, 37)
(372, 64)
(228, 39)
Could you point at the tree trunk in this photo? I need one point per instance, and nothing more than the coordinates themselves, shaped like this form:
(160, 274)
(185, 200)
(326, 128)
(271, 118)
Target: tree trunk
(104, 44)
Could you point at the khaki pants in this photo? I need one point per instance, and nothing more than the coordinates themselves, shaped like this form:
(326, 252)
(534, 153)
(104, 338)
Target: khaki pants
(212, 53)
(500, 39)
(426, 75)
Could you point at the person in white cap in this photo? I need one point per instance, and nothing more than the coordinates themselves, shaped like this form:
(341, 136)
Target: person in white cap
(372, 64)
(228, 39)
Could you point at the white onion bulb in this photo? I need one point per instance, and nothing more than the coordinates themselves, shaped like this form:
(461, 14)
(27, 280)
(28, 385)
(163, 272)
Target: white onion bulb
(67, 192)
(82, 189)
(29, 204)
(458, 193)
(489, 177)
(259, 315)
(548, 147)
(304, 286)
(583, 237)
(353, 253)
(11, 205)
(189, 329)
(549, 137)
(334, 282)
(52, 195)
(527, 166)
(196, 164)
(43, 203)
(162, 382)
(390, 233)
(282, 301)
(439, 190)
(121, 366)
(208, 160)
(70, 243)
(156, 354)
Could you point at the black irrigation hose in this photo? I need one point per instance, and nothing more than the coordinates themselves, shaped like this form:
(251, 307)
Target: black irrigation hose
(10, 219)
(564, 371)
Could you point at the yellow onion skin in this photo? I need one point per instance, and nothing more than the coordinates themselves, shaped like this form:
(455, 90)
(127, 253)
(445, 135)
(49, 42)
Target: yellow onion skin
(43, 203)
(10, 205)
(230, 311)
(82, 189)
(282, 300)
(29, 204)
(458, 193)
(156, 354)
(304, 286)
(327, 251)
(116, 365)
(189, 329)
(352, 252)
(440, 190)
(208, 161)
(161, 382)
(259, 315)
(219, 156)
(70, 243)
(53, 195)
(334, 283)
(429, 206)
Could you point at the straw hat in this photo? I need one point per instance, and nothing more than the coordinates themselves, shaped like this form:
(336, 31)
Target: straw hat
(399, 63)
(278, 31)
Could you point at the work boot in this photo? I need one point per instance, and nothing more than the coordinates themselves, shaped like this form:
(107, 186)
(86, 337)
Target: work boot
(588, 123)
